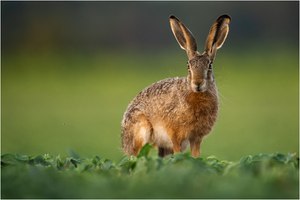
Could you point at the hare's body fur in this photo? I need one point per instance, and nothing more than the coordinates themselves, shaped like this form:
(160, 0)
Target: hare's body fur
(168, 113)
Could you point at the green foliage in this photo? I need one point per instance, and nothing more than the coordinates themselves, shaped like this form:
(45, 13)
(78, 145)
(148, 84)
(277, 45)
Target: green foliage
(145, 150)
(146, 176)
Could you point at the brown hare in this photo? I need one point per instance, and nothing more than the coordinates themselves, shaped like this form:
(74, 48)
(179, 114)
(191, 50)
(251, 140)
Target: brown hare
(175, 112)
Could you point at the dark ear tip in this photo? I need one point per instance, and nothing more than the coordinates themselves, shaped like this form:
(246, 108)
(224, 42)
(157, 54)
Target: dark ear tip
(222, 17)
(173, 17)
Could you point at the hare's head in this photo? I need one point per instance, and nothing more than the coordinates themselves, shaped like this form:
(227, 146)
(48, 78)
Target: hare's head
(200, 64)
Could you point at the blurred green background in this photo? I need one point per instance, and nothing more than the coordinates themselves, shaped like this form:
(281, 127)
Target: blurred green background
(69, 70)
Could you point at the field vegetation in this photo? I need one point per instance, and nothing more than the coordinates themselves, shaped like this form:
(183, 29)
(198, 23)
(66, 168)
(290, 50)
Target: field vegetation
(148, 176)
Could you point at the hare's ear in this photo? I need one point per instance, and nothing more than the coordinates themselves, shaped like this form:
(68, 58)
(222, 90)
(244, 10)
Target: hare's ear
(183, 36)
(217, 35)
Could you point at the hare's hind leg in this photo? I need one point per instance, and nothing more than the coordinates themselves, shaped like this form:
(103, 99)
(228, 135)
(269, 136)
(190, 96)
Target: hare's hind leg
(136, 133)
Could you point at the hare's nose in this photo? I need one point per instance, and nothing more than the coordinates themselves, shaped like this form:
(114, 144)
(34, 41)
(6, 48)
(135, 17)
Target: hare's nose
(199, 86)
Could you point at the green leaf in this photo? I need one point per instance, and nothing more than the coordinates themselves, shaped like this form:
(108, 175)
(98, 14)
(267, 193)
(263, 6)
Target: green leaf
(75, 162)
(73, 154)
(59, 163)
(127, 164)
(22, 158)
(280, 158)
(145, 151)
(96, 160)
(106, 165)
(40, 160)
(8, 159)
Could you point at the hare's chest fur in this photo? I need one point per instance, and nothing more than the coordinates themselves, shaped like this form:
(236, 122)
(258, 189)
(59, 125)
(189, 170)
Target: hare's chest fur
(192, 115)
(196, 112)
(184, 122)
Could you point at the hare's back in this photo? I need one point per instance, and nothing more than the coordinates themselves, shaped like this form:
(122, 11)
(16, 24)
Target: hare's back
(157, 96)
(161, 92)
(169, 86)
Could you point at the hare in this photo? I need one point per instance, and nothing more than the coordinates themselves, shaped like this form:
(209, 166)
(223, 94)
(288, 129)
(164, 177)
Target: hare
(175, 112)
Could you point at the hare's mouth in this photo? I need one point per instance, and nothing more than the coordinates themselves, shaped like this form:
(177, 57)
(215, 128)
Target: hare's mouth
(199, 87)
(198, 90)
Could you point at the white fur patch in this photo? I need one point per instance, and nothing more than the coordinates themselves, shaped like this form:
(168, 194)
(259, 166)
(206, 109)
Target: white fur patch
(161, 137)
(144, 135)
